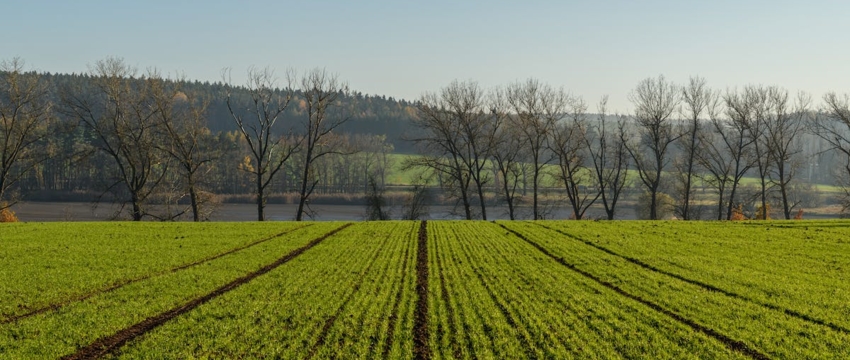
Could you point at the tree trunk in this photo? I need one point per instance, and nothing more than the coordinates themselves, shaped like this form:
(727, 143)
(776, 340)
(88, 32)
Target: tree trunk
(653, 214)
(534, 186)
(261, 198)
(137, 209)
(193, 196)
(731, 201)
(764, 213)
(303, 198)
(720, 204)
(686, 211)
(481, 199)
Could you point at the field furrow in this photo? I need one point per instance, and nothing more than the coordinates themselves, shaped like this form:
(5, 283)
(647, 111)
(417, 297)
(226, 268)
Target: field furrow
(48, 265)
(76, 325)
(520, 303)
(763, 329)
(426, 290)
(795, 269)
(332, 301)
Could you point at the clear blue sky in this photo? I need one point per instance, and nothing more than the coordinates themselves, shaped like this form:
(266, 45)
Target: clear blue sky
(404, 48)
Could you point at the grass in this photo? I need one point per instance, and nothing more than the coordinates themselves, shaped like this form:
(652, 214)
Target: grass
(544, 289)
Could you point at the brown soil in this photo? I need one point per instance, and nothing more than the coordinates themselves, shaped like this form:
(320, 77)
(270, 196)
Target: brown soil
(108, 344)
(82, 297)
(730, 343)
(421, 338)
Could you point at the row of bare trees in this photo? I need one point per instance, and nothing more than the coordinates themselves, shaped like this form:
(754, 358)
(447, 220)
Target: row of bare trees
(472, 139)
(678, 140)
(480, 144)
(151, 128)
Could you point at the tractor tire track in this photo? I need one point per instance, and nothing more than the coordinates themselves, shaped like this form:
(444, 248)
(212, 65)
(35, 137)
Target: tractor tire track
(732, 344)
(326, 328)
(111, 343)
(421, 337)
(706, 286)
(116, 286)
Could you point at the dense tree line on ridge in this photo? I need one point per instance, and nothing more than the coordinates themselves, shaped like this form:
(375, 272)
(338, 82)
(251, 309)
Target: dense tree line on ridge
(142, 139)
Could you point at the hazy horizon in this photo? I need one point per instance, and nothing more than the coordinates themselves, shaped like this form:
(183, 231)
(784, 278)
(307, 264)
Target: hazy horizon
(404, 50)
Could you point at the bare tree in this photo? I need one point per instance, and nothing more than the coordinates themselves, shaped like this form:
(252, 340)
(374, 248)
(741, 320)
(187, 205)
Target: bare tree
(375, 160)
(507, 152)
(570, 148)
(728, 158)
(655, 100)
(256, 114)
(609, 157)
(834, 128)
(536, 109)
(759, 99)
(477, 130)
(182, 117)
(697, 98)
(439, 143)
(120, 112)
(25, 117)
(783, 130)
(459, 136)
(321, 92)
(415, 207)
(376, 203)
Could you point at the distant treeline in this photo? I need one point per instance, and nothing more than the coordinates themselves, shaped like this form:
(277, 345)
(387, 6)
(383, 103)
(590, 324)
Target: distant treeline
(168, 148)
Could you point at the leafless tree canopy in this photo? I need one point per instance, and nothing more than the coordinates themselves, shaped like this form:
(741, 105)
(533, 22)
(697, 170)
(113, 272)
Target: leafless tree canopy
(182, 122)
(122, 116)
(833, 126)
(321, 91)
(568, 144)
(655, 101)
(698, 100)
(256, 117)
(609, 156)
(536, 109)
(25, 116)
(459, 135)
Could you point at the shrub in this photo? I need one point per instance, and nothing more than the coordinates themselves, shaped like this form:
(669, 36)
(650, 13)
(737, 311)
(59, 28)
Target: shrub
(7, 215)
(664, 206)
(738, 213)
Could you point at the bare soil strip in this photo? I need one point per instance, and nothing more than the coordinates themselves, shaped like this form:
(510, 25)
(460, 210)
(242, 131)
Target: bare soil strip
(730, 343)
(331, 320)
(108, 344)
(706, 286)
(421, 338)
(82, 297)
(388, 345)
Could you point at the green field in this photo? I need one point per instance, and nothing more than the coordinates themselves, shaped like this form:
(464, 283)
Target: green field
(441, 289)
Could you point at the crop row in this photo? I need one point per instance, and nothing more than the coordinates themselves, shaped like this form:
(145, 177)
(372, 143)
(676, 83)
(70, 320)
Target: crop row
(78, 323)
(766, 330)
(799, 268)
(46, 264)
(495, 296)
(351, 296)
(540, 289)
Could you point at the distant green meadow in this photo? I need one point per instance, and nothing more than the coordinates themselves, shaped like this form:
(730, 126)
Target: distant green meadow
(438, 289)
